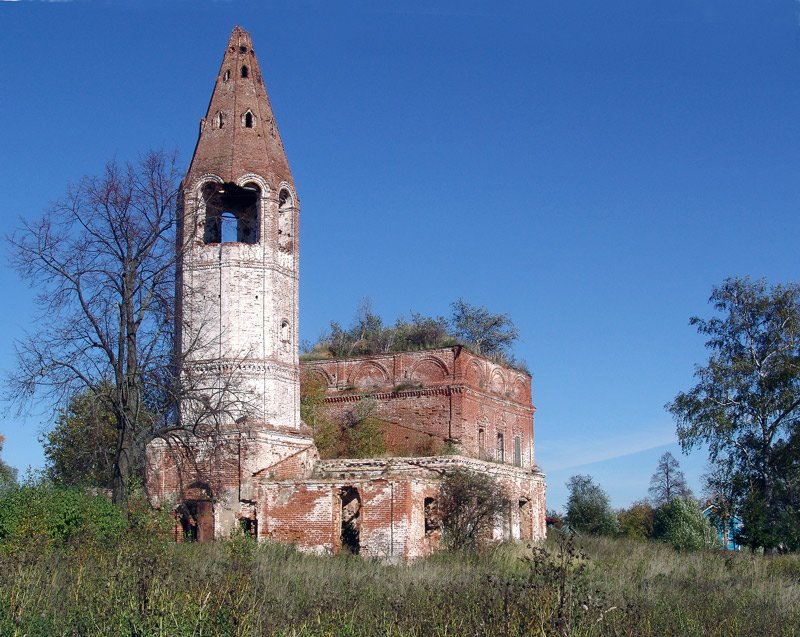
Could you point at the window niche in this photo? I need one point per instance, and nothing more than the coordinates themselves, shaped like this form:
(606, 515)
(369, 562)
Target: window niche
(500, 456)
(285, 221)
(232, 213)
(285, 333)
(517, 452)
(248, 120)
(245, 72)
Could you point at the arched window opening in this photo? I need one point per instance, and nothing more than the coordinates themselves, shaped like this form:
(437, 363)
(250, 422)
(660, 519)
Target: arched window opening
(227, 75)
(517, 452)
(245, 72)
(285, 331)
(242, 49)
(248, 120)
(501, 451)
(219, 120)
(482, 444)
(232, 213)
(285, 221)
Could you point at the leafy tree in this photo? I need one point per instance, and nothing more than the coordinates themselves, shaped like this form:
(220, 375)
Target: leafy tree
(422, 332)
(104, 261)
(469, 504)
(588, 508)
(668, 481)
(636, 522)
(8, 474)
(79, 449)
(365, 336)
(489, 334)
(681, 523)
(745, 404)
(356, 433)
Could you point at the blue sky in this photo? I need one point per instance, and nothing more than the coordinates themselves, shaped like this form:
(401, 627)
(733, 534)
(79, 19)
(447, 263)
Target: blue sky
(592, 169)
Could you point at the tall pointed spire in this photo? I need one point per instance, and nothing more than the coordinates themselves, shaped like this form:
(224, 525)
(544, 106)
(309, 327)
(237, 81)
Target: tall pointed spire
(238, 135)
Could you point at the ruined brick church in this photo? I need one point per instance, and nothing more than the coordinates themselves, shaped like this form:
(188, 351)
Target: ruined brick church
(237, 308)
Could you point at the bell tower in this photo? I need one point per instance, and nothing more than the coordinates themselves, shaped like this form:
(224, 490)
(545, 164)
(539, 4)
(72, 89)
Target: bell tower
(237, 288)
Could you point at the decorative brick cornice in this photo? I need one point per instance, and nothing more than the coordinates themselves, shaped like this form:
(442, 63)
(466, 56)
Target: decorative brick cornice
(246, 366)
(390, 395)
(368, 468)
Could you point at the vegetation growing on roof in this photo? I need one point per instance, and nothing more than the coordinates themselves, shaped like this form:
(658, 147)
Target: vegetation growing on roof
(471, 326)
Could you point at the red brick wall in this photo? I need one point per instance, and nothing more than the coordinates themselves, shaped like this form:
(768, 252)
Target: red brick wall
(427, 398)
(392, 496)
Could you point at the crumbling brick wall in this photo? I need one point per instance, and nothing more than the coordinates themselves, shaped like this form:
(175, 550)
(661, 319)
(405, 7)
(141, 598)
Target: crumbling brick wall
(431, 398)
(396, 508)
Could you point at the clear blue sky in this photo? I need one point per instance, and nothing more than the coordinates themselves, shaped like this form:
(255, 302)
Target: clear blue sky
(591, 168)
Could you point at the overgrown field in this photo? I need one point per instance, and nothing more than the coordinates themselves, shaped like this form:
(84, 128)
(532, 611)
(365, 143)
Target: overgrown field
(142, 584)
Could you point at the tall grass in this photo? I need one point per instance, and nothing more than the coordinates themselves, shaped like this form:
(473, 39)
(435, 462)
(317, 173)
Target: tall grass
(145, 585)
(699, 593)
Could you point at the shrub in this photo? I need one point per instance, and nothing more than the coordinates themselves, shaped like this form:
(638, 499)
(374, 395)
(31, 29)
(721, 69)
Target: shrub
(469, 505)
(56, 515)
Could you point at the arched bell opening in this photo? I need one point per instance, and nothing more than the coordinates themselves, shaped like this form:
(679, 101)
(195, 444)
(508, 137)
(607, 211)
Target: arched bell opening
(232, 213)
(285, 221)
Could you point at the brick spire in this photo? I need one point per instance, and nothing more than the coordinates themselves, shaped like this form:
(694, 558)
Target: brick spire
(238, 134)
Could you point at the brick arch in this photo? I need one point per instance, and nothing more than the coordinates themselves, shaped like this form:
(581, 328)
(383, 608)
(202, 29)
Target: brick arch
(285, 185)
(368, 374)
(520, 389)
(474, 374)
(498, 382)
(197, 187)
(430, 369)
(321, 375)
(198, 490)
(256, 179)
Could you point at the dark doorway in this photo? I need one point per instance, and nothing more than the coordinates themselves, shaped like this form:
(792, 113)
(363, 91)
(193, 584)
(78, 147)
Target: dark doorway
(249, 527)
(197, 520)
(351, 520)
(432, 522)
